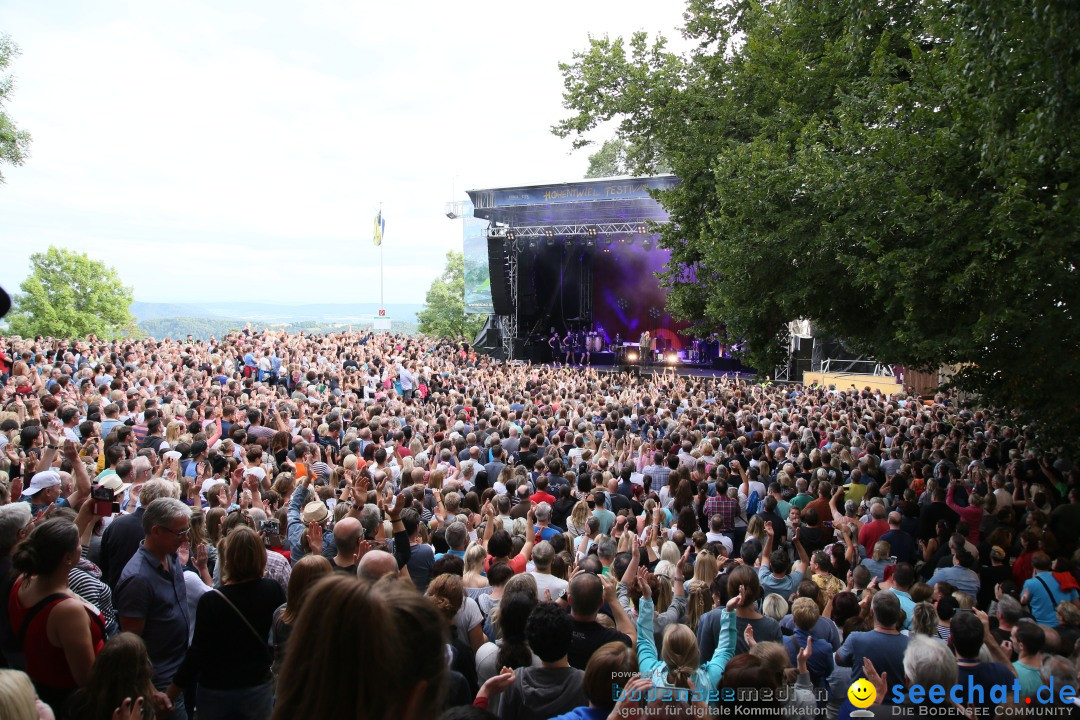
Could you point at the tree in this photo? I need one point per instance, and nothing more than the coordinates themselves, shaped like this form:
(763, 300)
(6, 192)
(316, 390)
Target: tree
(608, 161)
(444, 307)
(614, 158)
(900, 172)
(68, 295)
(14, 143)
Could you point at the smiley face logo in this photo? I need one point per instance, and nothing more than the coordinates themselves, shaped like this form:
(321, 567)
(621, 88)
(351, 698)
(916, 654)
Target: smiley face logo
(862, 693)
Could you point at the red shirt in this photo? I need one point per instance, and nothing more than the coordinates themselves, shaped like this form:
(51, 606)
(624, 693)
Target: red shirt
(517, 563)
(46, 663)
(540, 496)
(870, 533)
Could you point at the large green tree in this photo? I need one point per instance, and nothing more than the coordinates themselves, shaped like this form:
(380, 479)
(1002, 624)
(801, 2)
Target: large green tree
(444, 307)
(900, 172)
(14, 143)
(68, 295)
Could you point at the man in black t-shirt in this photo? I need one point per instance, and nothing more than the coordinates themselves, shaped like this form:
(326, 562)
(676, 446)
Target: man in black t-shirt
(586, 594)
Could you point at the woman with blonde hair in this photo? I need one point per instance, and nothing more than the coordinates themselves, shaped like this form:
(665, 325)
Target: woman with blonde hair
(755, 528)
(669, 558)
(679, 662)
(879, 560)
(474, 567)
(18, 701)
(774, 606)
(579, 517)
(172, 433)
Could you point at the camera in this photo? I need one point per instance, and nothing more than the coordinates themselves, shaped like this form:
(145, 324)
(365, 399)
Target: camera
(271, 532)
(104, 502)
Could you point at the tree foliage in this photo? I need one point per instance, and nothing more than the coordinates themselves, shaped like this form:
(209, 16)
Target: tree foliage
(14, 143)
(444, 307)
(608, 161)
(68, 295)
(900, 172)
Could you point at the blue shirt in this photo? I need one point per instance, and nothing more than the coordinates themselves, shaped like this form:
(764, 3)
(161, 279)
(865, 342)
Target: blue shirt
(158, 597)
(885, 650)
(1042, 609)
(959, 577)
(907, 605)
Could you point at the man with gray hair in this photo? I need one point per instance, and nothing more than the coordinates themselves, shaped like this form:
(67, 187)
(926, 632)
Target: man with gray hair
(605, 551)
(151, 598)
(122, 536)
(872, 531)
(457, 537)
(542, 557)
(1058, 672)
(543, 522)
(468, 469)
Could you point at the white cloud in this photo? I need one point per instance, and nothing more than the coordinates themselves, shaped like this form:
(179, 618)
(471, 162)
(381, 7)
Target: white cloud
(240, 151)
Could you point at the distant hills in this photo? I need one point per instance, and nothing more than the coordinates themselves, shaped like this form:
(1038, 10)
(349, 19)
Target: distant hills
(202, 320)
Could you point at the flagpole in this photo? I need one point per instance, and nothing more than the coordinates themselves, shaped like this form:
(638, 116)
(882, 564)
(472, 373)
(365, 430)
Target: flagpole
(381, 306)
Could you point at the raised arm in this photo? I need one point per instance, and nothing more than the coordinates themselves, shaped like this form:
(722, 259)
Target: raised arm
(803, 557)
(78, 469)
(623, 623)
(725, 646)
(646, 645)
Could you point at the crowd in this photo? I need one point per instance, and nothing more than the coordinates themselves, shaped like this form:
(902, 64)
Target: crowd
(376, 526)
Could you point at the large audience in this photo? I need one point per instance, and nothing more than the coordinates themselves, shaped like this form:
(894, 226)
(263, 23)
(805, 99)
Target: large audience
(377, 526)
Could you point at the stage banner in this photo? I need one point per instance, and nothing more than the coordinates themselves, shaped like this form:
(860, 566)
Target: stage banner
(477, 277)
(624, 189)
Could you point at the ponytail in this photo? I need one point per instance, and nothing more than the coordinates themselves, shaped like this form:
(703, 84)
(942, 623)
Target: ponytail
(680, 676)
(46, 546)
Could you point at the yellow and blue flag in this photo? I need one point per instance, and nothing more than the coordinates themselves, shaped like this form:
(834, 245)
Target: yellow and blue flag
(380, 228)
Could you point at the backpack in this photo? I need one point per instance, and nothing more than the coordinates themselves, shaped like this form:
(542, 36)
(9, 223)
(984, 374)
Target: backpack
(752, 503)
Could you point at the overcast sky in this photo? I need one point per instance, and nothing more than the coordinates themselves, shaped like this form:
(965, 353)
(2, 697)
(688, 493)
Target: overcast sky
(239, 150)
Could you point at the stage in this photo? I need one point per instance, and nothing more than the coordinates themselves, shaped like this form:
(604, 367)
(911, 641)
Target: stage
(575, 265)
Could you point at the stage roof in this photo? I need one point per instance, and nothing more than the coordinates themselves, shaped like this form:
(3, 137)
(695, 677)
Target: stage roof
(608, 200)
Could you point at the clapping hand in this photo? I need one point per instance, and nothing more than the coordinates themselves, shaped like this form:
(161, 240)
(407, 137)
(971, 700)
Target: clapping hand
(738, 600)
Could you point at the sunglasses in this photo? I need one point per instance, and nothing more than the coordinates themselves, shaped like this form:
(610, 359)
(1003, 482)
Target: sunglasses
(178, 533)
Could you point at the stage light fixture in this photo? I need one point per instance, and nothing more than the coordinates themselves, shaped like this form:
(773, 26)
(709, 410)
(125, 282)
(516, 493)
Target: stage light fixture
(511, 235)
(671, 358)
(631, 357)
(592, 232)
(642, 229)
(608, 240)
(647, 243)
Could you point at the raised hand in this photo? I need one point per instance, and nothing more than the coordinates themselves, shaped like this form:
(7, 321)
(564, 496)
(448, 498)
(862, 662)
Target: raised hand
(643, 583)
(737, 600)
(129, 711)
(631, 702)
(803, 656)
(681, 566)
(880, 682)
(315, 537)
(748, 635)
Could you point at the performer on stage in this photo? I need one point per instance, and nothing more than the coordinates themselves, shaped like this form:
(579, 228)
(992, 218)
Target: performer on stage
(568, 347)
(554, 344)
(645, 348)
(584, 348)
